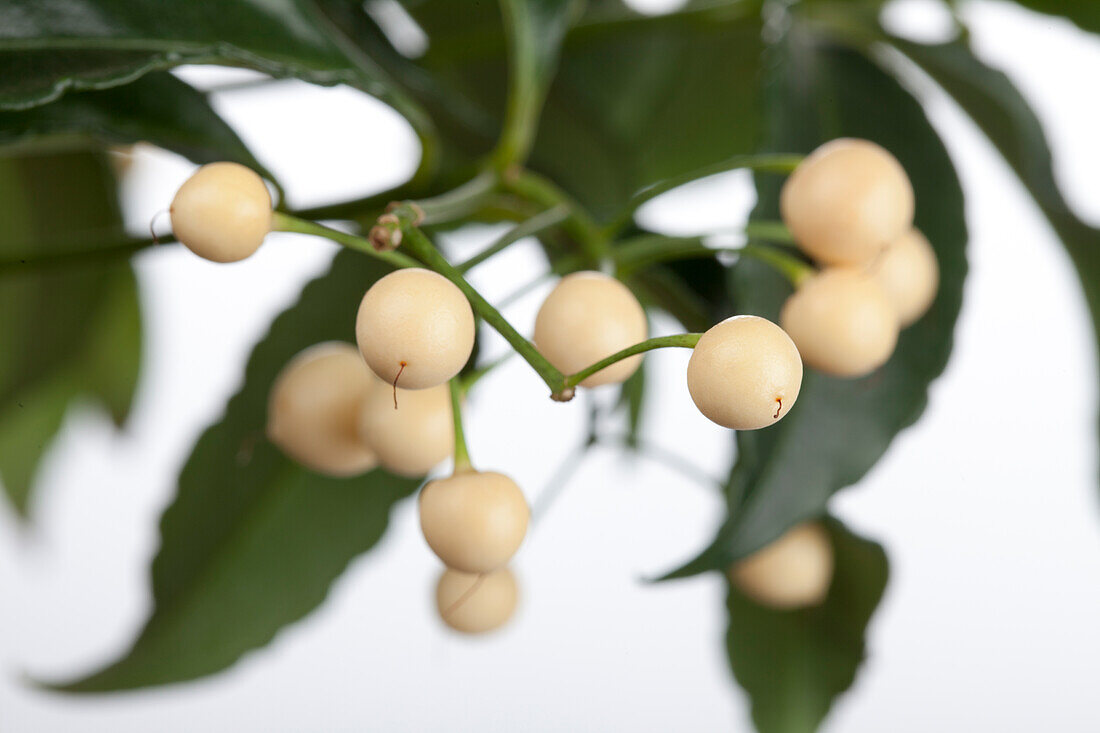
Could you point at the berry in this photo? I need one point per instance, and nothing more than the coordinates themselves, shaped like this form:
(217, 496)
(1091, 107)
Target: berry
(473, 521)
(413, 438)
(222, 213)
(745, 373)
(794, 571)
(842, 322)
(846, 201)
(589, 316)
(473, 603)
(313, 408)
(415, 328)
(909, 275)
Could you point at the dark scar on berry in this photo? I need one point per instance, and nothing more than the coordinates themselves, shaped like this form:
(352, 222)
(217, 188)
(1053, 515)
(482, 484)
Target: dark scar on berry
(396, 377)
(778, 409)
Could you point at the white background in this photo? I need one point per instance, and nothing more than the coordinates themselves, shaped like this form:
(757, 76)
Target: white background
(988, 507)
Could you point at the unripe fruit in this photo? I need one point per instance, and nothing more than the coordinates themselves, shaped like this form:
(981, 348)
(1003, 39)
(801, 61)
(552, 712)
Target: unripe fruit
(313, 408)
(222, 212)
(473, 521)
(745, 373)
(589, 316)
(415, 328)
(795, 571)
(413, 438)
(909, 275)
(473, 603)
(846, 201)
(842, 322)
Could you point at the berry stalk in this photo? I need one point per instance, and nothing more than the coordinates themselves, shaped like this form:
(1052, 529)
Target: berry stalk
(286, 223)
(682, 340)
(462, 454)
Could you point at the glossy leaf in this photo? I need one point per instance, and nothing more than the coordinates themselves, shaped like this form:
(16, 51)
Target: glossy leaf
(839, 428)
(253, 541)
(71, 326)
(157, 108)
(1002, 113)
(49, 48)
(794, 663)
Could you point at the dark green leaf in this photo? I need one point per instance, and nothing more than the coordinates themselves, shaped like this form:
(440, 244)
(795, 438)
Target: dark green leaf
(840, 427)
(994, 103)
(632, 397)
(253, 541)
(47, 48)
(70, 328)
(157, 108)
(793, 664)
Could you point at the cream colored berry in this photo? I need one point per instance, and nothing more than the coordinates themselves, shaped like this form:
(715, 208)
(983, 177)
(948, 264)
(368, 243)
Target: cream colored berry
(222, 212)
(842, 322)
(846, 201)
(795, 571)
(413, 438)
(474, 521)
(745, 373)
(476, 603)
(589, 316)
(909, 275)
(313, 408)
(415, 328)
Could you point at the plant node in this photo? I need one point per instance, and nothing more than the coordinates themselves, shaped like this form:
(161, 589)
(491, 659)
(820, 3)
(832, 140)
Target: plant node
(564, 395)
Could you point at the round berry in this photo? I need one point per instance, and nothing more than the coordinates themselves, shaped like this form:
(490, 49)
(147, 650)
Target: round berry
(474, 521)
(842, 322)
(795, 571)
(745, 373)
(909, 275)
(415, 436)
(313, 408)
(475, 603)
(846, 201)
(589, 316)
(415, 328)
(222, 212)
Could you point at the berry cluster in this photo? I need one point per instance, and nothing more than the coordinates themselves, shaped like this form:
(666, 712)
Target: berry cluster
(395, 401)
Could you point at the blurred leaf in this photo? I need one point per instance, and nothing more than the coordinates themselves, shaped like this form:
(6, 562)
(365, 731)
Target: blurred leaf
(840, 427)
(253, 541)
(72, 327)
(1085, 14)
(998, 108)
(157, 108)
(47, 48)
(793, 664)
(635, 99)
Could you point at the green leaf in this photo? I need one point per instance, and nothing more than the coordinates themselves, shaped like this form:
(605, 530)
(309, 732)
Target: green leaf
(793, 664)
(632, 398)
(72, 324)
(1002, 113)
(1084, 14)
(253, 541)
(49, 48)
(839, 428)
(157, 108)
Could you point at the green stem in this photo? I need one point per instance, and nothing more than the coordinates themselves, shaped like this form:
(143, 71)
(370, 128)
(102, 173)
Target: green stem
(419, 245)
(683, 340)
(452, 205)
(524, 93)
(462, 453)
(792, 268)
(528, 228)
(580, 225)
(286, 223)
(769, 163)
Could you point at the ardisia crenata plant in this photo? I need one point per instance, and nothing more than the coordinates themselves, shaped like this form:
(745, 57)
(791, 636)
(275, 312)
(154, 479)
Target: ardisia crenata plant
(814, 338)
